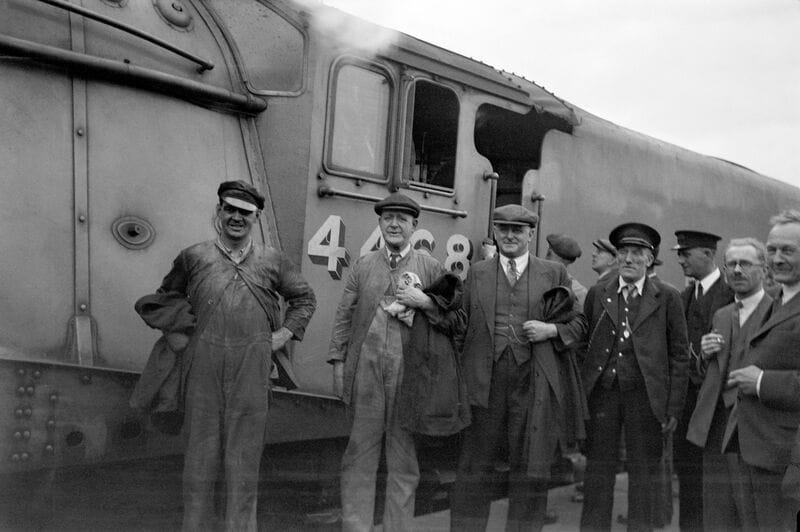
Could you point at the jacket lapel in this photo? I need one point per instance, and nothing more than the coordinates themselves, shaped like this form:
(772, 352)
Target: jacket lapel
(649, 302)
(610, 301)
(779, 315)
(726, 324)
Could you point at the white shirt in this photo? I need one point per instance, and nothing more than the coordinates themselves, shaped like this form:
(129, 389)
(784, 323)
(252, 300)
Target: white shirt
(789, 292)
(707, 281)
(749, 304)
(520, 262)
(403, 252)
(638, 284)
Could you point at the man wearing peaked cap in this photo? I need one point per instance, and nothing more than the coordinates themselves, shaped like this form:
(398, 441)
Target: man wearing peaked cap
(367, 354)
(634, 375)
(241, 194)
(513, 372)
(231, 284)
(708, 293)
(398, 202)
(604, 259)
(565, 249)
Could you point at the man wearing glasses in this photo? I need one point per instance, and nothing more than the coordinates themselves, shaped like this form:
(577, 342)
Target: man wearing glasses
(634, 375)
(724, 350)
(708, 293)
(514, 377)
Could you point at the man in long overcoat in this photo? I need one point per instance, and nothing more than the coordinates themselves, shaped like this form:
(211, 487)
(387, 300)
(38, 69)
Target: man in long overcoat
(634, 375)
(517, 383)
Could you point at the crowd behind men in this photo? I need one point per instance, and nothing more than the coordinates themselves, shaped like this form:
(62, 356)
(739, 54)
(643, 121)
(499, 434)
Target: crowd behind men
(521, 359)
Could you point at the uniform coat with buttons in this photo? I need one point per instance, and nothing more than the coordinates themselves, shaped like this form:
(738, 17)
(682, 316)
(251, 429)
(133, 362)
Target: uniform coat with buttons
(654, 382)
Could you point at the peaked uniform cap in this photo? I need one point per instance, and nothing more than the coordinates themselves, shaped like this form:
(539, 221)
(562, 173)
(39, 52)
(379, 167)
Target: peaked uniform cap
(241, 194)
(514, 215)
(398, 202)
(635, 234)
(564, 246)
(696, 239)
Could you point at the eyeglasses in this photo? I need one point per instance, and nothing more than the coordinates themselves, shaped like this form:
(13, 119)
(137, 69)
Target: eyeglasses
(743, 265)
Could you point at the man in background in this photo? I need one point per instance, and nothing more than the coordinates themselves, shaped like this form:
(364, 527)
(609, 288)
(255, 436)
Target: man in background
(708, 293)
(565, 249)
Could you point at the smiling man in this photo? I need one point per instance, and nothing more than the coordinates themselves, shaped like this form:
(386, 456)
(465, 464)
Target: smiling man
(766, 409)
(511, 364)
(231, 283)
(634, 375)
(366, 351)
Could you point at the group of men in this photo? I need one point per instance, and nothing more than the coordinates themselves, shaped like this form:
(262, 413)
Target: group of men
(544, 363)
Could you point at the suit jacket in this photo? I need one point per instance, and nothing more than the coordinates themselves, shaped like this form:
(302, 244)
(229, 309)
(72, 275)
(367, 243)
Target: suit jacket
(547, 426)
(659, 342)
(768, 423)
(719, 295)
(717, 371)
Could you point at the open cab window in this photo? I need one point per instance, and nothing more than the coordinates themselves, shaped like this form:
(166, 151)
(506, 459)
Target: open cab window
(359, 133)
(431, 137)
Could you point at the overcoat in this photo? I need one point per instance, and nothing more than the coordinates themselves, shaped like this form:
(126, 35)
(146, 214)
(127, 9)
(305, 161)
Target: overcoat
(717, 370)
(659, 342)
(547, 422)
(768, 422)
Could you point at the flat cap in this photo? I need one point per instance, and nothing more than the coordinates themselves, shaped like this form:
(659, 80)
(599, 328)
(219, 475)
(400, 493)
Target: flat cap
(604, 245)
(564, 246)
(514, 215)
(398, 202)
(696, 239)
(241, 195)
(635, 234)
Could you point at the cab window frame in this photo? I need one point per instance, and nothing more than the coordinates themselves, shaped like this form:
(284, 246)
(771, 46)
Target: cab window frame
(330, 118)
(406, 126)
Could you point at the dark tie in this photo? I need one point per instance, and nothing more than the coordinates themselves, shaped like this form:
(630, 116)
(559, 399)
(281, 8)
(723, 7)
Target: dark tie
(698, 293)
(394, 258)
(738, 312)
(513, 274)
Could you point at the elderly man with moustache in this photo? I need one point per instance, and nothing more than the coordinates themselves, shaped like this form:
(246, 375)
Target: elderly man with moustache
(232, 284)
(514, 366)
(766, 412)
(366, 351)
(724, 505)
(709, 292)
(635, 377)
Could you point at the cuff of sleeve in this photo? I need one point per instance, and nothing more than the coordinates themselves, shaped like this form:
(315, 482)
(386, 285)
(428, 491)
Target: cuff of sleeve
(296, 328)
(758, 384)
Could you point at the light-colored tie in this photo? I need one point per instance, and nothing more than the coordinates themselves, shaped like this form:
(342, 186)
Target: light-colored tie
(512, 273)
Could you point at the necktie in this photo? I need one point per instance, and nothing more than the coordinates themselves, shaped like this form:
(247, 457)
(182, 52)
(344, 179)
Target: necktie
(738, 313)
(628, 291)
(512, 273)
(698, 290)
(394, 258)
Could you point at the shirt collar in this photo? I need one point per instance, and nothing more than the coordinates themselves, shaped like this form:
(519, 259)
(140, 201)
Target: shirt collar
(403, 252)
(750, 302)
(638, 284)
(707, 281)
(520, 262)
(235, 256)
(789, 292)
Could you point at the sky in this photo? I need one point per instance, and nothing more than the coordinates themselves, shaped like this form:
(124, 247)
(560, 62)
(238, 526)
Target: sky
(719, 77)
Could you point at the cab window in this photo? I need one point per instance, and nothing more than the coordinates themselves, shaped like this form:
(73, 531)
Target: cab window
(431, 137)
(358, 123)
